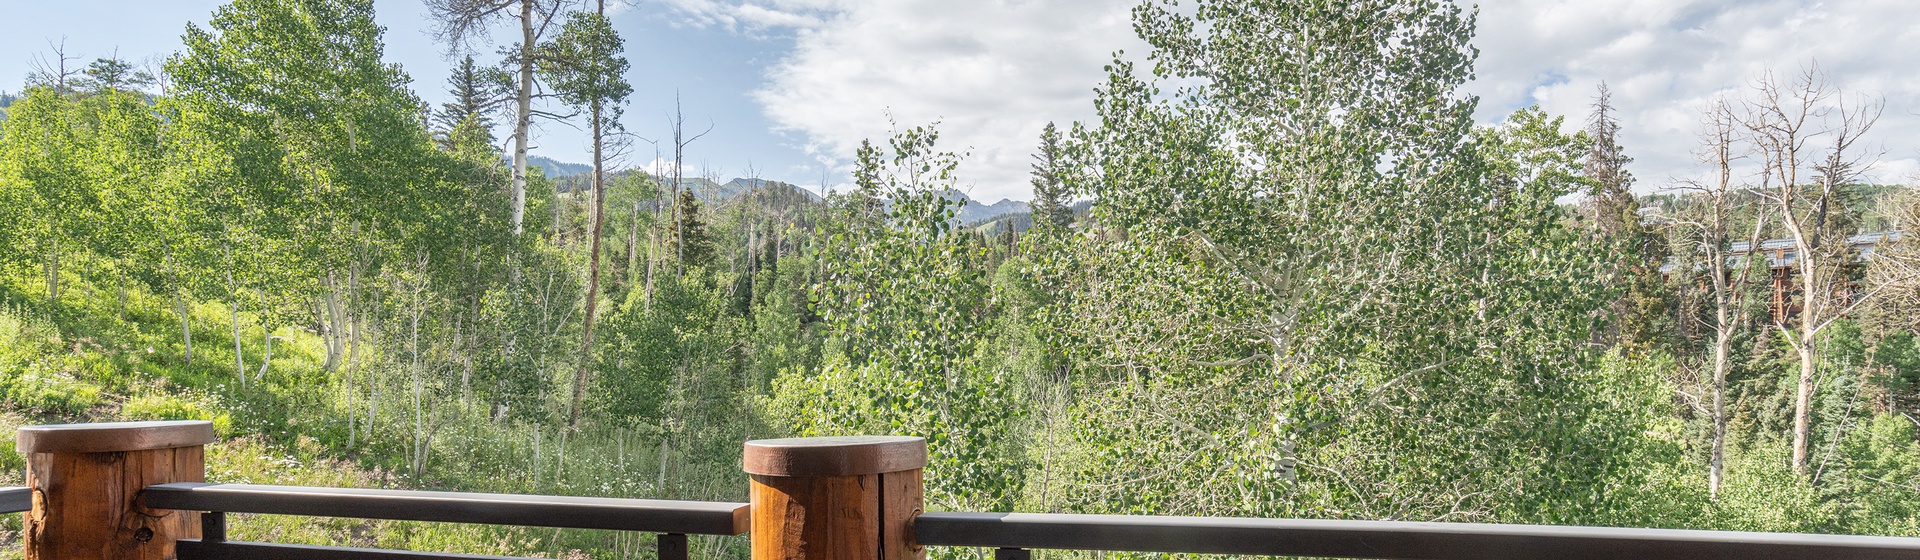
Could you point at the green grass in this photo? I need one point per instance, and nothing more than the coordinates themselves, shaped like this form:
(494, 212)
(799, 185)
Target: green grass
(89, 358)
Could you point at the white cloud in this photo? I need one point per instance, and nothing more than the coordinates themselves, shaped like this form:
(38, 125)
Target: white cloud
(991, 72)
(994, 71)
(1666, 59)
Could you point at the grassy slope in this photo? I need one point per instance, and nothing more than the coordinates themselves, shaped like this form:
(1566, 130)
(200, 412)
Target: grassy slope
(89, 358)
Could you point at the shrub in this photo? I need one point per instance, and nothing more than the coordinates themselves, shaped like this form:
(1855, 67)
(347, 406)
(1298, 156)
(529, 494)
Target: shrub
(38, 392)
(167, 407)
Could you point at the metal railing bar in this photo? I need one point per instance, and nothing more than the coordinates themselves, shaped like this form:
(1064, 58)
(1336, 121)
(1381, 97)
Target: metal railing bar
(200, 549)
(14, 499)
(213, 526)
(671, 546)
(657, 516)
(1384, 539)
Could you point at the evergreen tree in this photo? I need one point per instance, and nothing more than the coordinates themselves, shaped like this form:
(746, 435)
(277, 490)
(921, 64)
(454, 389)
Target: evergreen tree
(691, 240)
(1052, 203)
(1610, 204)
(1640, 318)
(477, 93)
(112, 74)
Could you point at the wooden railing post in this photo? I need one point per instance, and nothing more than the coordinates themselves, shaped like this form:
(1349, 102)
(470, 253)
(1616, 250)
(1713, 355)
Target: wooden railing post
(836, 498)
(86, 481)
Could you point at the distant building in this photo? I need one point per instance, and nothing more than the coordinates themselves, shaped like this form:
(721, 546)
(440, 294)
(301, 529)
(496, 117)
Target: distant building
(1782, 256)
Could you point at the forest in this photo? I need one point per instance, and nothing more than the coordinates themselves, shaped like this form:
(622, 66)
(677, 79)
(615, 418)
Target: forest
(1257, 284)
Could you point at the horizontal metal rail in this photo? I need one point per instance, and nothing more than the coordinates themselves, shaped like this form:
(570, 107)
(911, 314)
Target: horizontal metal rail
(15, 499)
(1013, 532)
(657, 516)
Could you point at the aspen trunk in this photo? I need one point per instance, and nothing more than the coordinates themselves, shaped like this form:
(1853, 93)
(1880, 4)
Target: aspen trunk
(1716, 465)
(1810, 323)
(180, 308)
(266, 336)
(633, 243)
(53, 268)
(560, 457)
(373, 400)
(653, 248)
(335, 317)
(353, 349)
(660, 485)
(593, 273)
(466, 358)
(1803, 399)
(523, 118)
(266, 359)
(413, 348)
(233, 310)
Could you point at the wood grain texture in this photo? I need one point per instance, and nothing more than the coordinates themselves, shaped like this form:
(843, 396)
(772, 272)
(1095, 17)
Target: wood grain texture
(816, 518)
(86, 505)
(841, 498)
(104, 437)
(834, 456)
(902, 498)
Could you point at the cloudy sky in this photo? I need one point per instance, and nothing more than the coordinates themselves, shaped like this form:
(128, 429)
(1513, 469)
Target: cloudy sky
(789, 87)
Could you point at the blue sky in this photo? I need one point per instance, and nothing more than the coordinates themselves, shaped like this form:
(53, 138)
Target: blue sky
(792, 86)
(714, 70)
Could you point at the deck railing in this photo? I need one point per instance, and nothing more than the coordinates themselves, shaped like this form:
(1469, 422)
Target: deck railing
(1013, 535)
(135, 491)
(673, 520)
(15, 499)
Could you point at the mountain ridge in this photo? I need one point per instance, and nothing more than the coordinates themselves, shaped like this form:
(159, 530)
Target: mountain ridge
(967, 209)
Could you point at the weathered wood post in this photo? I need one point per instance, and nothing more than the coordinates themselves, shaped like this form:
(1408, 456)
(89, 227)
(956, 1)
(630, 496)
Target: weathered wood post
(836, 498)
(86, 481)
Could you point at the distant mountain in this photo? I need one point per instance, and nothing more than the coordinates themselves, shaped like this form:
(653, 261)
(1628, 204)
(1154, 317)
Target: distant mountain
(973, 212)
(1020, 222)
(738, 186)
(556, 169)
(705, 189)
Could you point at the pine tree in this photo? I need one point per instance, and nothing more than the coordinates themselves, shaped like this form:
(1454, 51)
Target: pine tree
(690, 240)
(477, 94)
(1614, 214)
(1051, 201)
(106, 74)
(1610, 202)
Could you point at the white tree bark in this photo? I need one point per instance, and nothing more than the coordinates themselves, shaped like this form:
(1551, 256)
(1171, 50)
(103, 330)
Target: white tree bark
(180, 308)
(233, 308)
(523, 116)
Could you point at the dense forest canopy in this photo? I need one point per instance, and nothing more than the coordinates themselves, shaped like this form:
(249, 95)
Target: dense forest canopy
(1282, 273)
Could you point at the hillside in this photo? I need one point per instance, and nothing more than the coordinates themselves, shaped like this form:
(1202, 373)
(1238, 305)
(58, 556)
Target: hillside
(972, 211)
(107, 353)
(968, 211)
(1022, 220)
(556, 169)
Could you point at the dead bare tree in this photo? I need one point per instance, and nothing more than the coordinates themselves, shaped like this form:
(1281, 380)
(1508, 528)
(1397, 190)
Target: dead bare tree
(53, 72)
(680, 142)
(1895, 269)
(1729, 288)
(1781, 122)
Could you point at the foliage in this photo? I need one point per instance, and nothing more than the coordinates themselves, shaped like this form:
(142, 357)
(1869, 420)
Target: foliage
(1312, 279)
(1051, 200)
(1309, 286)
(905, 298)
